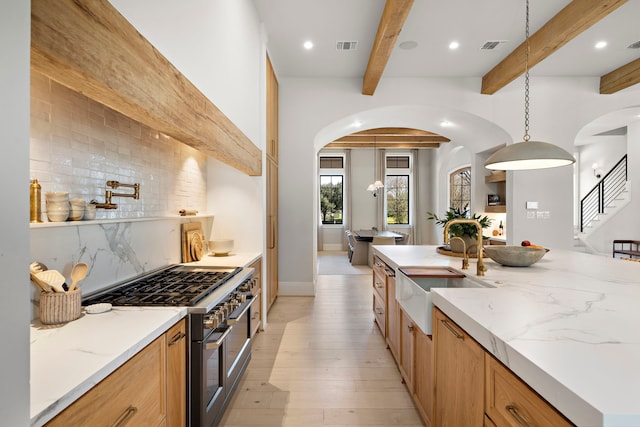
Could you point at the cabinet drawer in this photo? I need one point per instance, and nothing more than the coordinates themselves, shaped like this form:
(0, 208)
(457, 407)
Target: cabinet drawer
(510, 402)
(380, 286)
(134, 395)
(380, 313)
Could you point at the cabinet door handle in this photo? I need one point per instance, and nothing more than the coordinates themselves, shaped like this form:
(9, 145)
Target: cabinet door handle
(379, 311)
(379, 285)
(177, 338)
(123, 419)
(515, 413)
(451, 329)
(410, 327)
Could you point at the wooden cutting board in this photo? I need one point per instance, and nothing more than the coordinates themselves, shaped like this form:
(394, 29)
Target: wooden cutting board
(192, 242)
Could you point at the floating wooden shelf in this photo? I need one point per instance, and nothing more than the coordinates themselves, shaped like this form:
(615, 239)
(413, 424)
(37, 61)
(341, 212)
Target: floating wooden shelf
(496, 177)
(496, 209)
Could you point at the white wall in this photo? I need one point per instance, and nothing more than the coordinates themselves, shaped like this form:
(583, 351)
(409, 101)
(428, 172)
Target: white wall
(218, 45)
(624, 225)
(15, 16)
(606, 154)
(315, 111)
(363, 215)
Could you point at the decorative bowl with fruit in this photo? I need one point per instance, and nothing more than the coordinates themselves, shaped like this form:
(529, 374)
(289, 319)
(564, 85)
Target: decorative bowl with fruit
(516, 256)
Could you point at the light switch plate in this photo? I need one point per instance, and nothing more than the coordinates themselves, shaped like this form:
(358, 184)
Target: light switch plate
(532, 205)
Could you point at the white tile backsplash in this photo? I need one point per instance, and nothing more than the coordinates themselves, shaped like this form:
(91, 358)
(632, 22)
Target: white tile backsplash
(78, 144)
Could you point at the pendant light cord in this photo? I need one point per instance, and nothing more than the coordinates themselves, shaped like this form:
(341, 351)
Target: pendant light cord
(526, 78)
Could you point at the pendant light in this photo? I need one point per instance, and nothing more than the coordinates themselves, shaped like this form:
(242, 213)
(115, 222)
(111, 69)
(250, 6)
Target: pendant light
(528, 154)
(377, 185)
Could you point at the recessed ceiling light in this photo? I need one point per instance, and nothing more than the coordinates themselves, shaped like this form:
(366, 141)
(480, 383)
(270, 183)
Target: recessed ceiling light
(446, 123)
(408, 45)
(356, 124)
(454, 45)
(308, 45)
(601, 45)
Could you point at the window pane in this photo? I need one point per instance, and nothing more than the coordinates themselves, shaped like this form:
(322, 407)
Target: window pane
(397, 191)
(331, 199)
(460, 188)
(331, 162)
(398, 162)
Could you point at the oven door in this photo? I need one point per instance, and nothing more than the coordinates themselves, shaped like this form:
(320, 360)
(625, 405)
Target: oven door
(208, 391)
(238, 343)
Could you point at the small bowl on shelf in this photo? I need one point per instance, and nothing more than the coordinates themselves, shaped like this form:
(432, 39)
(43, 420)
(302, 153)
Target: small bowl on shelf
(221, 246)
(514, 256)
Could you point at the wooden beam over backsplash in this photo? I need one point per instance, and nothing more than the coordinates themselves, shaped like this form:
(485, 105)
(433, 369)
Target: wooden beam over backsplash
(88, 46)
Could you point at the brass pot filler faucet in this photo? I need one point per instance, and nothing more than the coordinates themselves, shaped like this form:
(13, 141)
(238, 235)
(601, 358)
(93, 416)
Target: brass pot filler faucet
(108, 194)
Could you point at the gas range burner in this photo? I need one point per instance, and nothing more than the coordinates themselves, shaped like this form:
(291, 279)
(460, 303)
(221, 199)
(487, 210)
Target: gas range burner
(180, 286)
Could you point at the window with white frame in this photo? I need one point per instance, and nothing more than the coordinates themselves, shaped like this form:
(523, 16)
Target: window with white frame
(398, 176)
(331, 189)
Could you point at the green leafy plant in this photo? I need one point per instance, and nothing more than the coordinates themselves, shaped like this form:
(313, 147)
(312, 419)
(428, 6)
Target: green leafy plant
(461, 230)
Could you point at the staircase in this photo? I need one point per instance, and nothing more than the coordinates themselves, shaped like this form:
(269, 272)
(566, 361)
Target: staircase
(607, 198)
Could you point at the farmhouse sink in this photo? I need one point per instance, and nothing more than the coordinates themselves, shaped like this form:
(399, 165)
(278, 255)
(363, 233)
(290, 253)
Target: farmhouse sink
(413, 290)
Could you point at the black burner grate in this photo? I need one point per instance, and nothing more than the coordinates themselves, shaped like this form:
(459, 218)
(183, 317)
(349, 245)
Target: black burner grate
(172, 287)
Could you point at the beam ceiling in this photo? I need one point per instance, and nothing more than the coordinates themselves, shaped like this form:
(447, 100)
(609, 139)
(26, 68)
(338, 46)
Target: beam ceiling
(575, 18)
(393, 17)
(621, 78)
(390, 138)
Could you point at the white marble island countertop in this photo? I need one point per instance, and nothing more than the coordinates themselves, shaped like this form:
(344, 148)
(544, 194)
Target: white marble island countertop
(568, 326)
(67, 360)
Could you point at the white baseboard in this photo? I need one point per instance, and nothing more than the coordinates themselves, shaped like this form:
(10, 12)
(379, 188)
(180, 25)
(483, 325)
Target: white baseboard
(332, 247)
(296, 289)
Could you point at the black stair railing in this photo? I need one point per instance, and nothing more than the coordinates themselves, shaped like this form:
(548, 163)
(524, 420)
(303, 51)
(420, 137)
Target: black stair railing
(604, 193)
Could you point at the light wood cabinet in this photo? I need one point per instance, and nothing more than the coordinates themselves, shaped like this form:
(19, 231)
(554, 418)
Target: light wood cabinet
(256, 291)
(423, 383)
(459, 375)
(393, 318)
(177, 374)
(380, 296)
(509, 402)
(135, 394)
(472, 388)
(148, 390)
(271, 167)
(406, 349)
(272, 112)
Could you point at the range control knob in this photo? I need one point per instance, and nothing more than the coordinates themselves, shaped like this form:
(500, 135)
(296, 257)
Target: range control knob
(211, 322)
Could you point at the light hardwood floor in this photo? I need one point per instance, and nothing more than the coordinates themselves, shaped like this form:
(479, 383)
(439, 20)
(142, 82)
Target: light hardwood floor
(322, 362)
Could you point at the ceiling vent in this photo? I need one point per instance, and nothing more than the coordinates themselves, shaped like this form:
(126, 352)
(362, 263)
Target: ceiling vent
(635, 45)
(343, 46)
(493, 44)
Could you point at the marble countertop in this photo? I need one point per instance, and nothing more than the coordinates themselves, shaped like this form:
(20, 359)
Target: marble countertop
(68, 360)
(567, 325)
(234, 259)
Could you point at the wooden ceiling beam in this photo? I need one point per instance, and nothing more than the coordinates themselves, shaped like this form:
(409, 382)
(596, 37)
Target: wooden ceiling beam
(394, 138)
(575, 18)
(393, 17)
(393, 131)
(621, 78)
(399, 145)
(88, 46)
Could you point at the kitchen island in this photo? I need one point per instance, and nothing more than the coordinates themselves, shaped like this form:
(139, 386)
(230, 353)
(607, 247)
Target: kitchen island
(567, 326)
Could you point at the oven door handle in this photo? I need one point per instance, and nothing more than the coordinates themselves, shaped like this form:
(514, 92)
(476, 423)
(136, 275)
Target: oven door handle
(234, 320)
(216, 344)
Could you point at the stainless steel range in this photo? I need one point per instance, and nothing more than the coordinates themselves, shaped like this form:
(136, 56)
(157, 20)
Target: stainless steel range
(218, 300)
